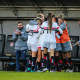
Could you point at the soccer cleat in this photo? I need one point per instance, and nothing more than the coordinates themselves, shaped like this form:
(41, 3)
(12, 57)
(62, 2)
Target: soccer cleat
(67, 70)
(52, 71)
(59, 70)
(45, 69)
(39, 71)
(32, 70)
(70, 70)
(29, 69)
(26, 70)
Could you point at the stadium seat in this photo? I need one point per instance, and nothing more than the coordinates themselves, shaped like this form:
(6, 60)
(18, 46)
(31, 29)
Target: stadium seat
(9, 46)
(79, 52)
(4, 58)
(2, 43)
(74, 52)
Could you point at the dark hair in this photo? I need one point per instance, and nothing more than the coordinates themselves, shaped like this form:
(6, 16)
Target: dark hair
(20, 22)
(45, 18)
(53, 15)
(61, 17)
(56, 19)
(49, 18)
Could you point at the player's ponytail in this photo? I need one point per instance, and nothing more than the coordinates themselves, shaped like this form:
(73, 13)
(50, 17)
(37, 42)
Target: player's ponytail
(49, 18)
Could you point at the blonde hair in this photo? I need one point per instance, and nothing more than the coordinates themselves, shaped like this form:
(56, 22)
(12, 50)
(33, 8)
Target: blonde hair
(61, 16)
(41, 15)
(38, 18)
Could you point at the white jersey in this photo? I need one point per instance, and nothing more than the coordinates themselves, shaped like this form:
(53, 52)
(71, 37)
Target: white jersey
(40, 41)
(49, 37)
(34, 38)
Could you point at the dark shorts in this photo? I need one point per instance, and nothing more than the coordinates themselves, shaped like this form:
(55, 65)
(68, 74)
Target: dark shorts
(58, 47)
(66, 46)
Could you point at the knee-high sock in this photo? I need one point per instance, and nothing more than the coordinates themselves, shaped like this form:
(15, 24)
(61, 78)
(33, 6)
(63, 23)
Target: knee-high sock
(66, 64)
(38, 65)
(60, 63)
(42, 62)
(57, 62)
(70, 63)
(52, 63)
(45, 60)
(33, 62)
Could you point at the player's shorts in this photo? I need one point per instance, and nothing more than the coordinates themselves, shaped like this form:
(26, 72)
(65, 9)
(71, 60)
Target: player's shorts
(49, 45)
(49, 50)
(34, 47)
(29, 47)
(58, 47)
(66, 46)
(42, 48)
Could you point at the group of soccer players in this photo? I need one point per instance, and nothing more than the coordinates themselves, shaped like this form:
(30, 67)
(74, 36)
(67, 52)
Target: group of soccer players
(48, 37)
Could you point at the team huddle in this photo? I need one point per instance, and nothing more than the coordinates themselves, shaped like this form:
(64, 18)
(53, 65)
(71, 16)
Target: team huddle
(48, 36)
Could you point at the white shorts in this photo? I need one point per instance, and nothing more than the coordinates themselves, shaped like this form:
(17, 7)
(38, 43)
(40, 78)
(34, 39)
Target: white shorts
(49, 45)
(42, 48)
(34, 47)
(29, 47)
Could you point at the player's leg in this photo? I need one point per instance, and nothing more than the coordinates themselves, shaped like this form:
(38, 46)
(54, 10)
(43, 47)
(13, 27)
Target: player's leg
(52, 60)
(42, 60)
(57, 59)
(45, 57)
(30, 58)
(67, 48)
(34, 52)
(70, 63)
(39, 59)
(29, 61)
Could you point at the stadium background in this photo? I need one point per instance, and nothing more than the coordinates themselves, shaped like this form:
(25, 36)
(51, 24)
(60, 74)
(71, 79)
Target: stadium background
(13, 11)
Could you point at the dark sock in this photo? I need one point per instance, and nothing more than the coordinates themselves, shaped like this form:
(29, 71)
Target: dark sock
(48, 64)
(66, 64)
(42, 61)
(45, 60)
(33, 62)
(57, 62)
(60, 64)
(52, 63)
(70, 63)
(38, 65)
(63, 63)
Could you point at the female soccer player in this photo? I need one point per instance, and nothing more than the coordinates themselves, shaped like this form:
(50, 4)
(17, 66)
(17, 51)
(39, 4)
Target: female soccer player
(49, 40)
(58, 50)
(66, 44)
(39, 21)
(33, 43)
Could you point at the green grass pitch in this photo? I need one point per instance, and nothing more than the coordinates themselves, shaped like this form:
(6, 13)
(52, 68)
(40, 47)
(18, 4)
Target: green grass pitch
(11, 75)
